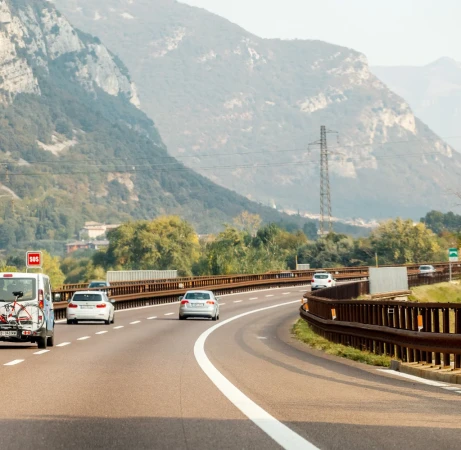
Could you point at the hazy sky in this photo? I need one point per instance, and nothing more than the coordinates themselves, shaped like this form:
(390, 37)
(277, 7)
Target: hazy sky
(389, 32)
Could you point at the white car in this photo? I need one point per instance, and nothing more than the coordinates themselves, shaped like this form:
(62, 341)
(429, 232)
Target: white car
(322, 280)
(90, 306)
(427, 269)
(199, 304)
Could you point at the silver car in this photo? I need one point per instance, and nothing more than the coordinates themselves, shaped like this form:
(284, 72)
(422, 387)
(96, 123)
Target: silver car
(199, 304)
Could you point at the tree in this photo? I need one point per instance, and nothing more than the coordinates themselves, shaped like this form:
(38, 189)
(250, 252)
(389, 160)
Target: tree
(401, 242)
(248, 222)
(164, 243)
(51, 267)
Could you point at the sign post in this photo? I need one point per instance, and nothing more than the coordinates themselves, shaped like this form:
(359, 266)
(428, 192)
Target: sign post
(452, 257)
(34, 260)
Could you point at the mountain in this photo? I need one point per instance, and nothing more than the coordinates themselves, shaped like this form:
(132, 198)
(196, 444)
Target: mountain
(433, 92)
(74, 145)
(242, 110)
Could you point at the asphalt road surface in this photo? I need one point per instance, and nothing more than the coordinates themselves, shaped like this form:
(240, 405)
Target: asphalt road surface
(151, 381)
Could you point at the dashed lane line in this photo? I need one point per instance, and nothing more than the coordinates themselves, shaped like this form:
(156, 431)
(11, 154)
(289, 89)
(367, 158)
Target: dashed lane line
(135, 322)
(102, 332)
(41, 352)
(84, 338)
(287, 293)
(151, 318)
(63, 344)
(238, 301)
(254, 298)
(13, 363)
(269, 295)
(118, 328)
(168, 314)
(278, 431)
(221, 304)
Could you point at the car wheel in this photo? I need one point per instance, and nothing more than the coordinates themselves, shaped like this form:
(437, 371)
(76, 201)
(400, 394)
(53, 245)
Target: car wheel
(107, 322)
(215, 317)
(69, 322)
(50, 340)
(75, 321)
(113, 318)
(41, 342)
(182, 317)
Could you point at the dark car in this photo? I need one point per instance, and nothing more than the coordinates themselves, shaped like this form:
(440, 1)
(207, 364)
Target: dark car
(99, 284)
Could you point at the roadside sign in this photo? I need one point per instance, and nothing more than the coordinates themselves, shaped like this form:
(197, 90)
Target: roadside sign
(453, 254)
(34, 259)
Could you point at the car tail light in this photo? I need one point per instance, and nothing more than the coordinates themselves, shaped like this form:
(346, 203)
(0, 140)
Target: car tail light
(210, 302)
(184, 302)
(329, 281)
(101, 305)
(72, 305)
(312, 281)
(40, 298)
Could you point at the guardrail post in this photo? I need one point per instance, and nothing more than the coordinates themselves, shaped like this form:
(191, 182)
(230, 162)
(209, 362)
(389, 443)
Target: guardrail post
(436, 322)
(457, 331)
(446, 329)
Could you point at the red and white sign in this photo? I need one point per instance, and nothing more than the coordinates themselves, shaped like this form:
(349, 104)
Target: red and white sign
(34, 259)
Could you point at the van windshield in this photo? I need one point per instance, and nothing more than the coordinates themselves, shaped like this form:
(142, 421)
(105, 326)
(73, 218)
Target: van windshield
(9, 285)
(86, 298)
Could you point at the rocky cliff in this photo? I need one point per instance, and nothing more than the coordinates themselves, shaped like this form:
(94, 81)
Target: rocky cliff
(242, 110)
(74, 145)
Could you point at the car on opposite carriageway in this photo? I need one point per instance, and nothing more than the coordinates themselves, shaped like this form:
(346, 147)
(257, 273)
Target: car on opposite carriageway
(321, 280)
(199, 304)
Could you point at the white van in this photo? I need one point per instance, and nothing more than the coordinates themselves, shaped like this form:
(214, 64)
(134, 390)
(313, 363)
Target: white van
(36, 290)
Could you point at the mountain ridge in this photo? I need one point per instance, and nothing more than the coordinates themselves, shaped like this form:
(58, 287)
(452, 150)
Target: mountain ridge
(255, 104)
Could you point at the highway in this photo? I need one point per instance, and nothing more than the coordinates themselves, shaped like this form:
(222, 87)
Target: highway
(143, 383)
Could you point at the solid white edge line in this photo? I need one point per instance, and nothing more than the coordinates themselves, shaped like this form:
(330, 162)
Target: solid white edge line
(41, 352)
(413, 378)
(13, 363)
(279, 432)
(451, 388)
(63, 344)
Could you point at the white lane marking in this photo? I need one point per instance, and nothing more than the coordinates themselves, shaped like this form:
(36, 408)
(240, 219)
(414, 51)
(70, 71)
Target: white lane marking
(168, 314)
(254, 298)
(84, 338)
(221, 304)
(451, 388)
(102, 332)
(287, 293)
(63, 344)
(269, 295)
(238, 301)
(41, 352)
(279, 432)
(135, 322)
(118, 328)
(153, 317)
(13, 363)
(413, 377)
(262, 337)
(458, 392)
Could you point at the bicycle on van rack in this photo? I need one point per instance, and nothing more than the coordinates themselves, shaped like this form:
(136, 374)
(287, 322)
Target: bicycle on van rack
(27, 317)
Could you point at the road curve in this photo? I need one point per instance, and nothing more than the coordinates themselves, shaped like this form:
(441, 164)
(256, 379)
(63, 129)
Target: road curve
(136, 384)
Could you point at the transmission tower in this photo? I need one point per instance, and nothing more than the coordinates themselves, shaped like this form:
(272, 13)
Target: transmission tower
(325, 196)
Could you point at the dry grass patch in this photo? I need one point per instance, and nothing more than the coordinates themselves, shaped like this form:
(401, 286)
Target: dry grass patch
(437, 293)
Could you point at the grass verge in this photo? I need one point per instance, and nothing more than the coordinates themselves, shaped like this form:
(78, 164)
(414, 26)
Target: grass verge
(304, 333)
(437, 293)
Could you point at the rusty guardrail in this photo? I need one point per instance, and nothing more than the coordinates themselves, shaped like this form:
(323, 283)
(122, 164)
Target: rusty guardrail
(410, 331)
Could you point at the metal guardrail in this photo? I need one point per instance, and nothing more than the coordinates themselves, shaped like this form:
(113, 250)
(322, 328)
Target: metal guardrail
(409, 331)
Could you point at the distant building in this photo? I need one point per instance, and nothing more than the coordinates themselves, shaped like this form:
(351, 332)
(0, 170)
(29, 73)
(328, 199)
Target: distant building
(92, 230)
(85, 245)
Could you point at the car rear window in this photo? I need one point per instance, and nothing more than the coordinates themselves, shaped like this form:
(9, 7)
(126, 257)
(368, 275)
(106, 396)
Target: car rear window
(197, 296)
(87, 298)
(98, 284)
(322, 276)
(425, 268)
(9, 285)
